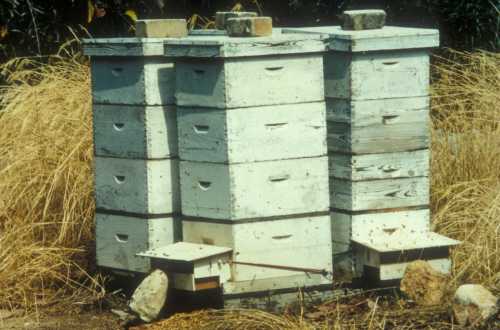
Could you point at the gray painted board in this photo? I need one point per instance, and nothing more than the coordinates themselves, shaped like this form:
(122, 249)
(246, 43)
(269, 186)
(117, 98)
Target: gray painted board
(387, 38)
(380, 166)
(367, 76)
(125, 131)
(124, 46)
(248, 82)
(119, 238)
(133, 80)
(252, 134)
(137, 185)
(251, 190)
(379, 194)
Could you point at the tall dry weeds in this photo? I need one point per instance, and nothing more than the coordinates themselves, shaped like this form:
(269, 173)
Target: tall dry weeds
(466, 162)
(46, 204)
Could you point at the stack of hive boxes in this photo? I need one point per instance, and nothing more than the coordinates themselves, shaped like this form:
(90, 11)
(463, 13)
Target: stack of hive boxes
(135, 139)
(377, 92)
(254, 167)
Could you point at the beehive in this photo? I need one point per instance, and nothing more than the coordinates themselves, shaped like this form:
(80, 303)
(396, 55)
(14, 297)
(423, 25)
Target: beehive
(252, 146)
(135, 144)
(377, 96)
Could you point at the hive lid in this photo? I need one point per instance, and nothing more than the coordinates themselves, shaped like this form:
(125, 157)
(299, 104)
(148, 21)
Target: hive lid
(386, 38)
(209, 46)
(124, 46)
(187, 252)
(403, 241)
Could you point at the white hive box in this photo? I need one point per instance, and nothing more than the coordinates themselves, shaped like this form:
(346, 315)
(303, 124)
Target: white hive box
(270, 254)
(347, 227)
(254, 190)
(128, 131)
(225, 72)
(130, 71)
(252, 134)
(373, 64)
(385, 257)
(378, 126)
(119, 238)
(137, 185)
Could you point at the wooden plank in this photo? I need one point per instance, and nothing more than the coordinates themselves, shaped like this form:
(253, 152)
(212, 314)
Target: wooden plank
(387, 38)
(250, 190)
(368, 76)
(124, 47)
(278, 132)
(379, 194)
(146, 132)
(137, 185)
(379, 166)
(251, 82)
(119, 238)
(133, 80)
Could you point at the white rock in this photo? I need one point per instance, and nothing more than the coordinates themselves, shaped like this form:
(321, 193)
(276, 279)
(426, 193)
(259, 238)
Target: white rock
(474, 304)
(150, 296)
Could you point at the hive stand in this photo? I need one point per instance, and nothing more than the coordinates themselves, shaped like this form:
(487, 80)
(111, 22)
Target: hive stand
(135, 144)
(254, 167)
(377, 96)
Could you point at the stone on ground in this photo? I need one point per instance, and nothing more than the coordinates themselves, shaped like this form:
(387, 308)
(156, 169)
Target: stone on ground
(249, 27)
(150, 296)
(221, 17)
(474, 305)
(161, 28)
(423, 284)
(363, 19)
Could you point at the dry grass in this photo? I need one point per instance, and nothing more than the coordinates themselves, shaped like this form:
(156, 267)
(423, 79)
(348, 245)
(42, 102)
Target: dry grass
(46, 208)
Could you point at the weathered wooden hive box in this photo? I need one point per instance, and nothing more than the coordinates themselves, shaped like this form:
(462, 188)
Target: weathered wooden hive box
(135, 143)
(377, 96)
(253, 157)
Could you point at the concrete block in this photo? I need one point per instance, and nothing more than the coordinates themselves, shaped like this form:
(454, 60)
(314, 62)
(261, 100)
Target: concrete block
(221, 17)
(161, 28)
(363, 19)
(250, 27)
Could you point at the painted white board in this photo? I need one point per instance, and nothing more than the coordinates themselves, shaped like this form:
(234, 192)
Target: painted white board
(251, 190)
(137, 185)
(303, 242)
(379, 194)
(132, 80)
(119, 238)
(125, 131)
(252, 134)
(368, 76)
(380, 166)
(377, 126)
(249, 82)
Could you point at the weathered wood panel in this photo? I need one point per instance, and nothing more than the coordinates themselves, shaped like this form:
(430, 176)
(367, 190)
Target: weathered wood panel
(119, 238)
(370, 226)
(250, 190)
(252, 134)
(147, 132)
(379, 194)
(133, 80)
(376, 126)
(303, 242)
(124, 47)
(137, 185)
(248, 82)
(380, 166)
(367, 76)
